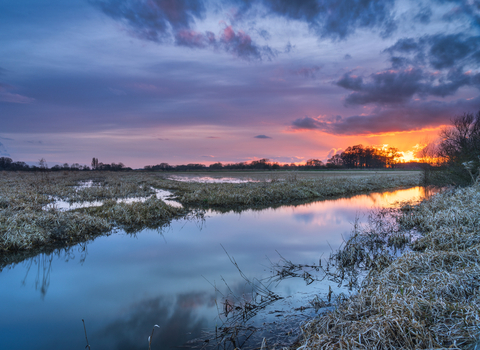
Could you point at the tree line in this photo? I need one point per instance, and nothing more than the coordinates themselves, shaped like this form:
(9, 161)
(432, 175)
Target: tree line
(457, 149)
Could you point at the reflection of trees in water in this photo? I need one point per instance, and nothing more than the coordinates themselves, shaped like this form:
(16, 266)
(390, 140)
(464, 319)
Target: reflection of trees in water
(178, 317)
(43, 262)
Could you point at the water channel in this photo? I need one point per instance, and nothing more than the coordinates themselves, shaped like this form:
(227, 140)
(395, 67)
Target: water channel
(122, 285)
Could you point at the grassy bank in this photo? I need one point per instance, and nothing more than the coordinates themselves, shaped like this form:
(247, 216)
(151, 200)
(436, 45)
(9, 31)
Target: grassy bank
(285, 189)
(427, 298)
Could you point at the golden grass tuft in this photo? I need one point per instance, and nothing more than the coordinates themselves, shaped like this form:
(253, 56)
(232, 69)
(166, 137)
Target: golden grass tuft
(428, 298)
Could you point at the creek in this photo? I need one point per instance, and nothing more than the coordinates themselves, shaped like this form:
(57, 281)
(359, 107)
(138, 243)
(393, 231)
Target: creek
(122, 285)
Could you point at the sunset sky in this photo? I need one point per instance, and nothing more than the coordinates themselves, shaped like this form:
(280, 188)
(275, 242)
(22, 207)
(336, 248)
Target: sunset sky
(178, 81)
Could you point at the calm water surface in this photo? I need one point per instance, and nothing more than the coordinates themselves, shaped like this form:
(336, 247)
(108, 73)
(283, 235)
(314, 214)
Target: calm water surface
(122, 285)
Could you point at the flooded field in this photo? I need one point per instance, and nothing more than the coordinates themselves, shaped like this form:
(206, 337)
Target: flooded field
(122, 285)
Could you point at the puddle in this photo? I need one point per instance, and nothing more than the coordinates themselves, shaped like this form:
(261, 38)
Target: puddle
(209, 179)
(63, 205)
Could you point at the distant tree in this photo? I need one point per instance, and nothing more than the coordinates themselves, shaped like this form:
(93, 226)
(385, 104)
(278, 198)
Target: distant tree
(5, 163)
(216, 166)
(315, 163)
(42, 163)
(336, 161)
(94, 163)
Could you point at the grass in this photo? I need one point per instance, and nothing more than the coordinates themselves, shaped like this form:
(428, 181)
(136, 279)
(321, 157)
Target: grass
(426, 298)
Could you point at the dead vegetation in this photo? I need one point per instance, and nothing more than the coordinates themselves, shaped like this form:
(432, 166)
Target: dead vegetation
(283, 190)
(427, 298)
(25, 224)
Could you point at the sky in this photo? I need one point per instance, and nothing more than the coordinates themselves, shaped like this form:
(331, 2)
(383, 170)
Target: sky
(202, 81)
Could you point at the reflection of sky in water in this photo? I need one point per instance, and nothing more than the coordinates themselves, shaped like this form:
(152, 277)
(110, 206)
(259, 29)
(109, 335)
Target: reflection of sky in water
(211, 179)
(126, 284)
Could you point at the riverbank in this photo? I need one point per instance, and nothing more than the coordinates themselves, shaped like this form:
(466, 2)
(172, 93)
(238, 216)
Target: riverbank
(30, 218)
(427, 298)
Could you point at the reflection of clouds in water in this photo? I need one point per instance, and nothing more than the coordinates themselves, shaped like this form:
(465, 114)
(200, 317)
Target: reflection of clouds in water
(178, 317)
(306, 218)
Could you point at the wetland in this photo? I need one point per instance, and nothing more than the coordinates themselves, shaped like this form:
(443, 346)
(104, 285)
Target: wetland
(129, 251)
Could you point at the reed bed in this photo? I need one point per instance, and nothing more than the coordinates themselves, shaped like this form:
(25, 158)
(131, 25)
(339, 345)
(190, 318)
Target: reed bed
(427, 298)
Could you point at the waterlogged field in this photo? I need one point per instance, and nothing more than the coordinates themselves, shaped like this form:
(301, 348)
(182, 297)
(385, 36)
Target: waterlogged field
(33, 215)
(181, 277)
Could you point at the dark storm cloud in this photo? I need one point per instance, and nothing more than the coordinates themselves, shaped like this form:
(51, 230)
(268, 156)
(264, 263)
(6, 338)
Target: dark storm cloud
(262, 137)
(332, 19)
(411, 116)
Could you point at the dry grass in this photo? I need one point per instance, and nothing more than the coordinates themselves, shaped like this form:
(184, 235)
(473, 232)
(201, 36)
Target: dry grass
(427, 298)
(25, 225)
(285, 189)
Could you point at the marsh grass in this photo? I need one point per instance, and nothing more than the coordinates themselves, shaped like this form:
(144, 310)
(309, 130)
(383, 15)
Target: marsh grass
(424, 299)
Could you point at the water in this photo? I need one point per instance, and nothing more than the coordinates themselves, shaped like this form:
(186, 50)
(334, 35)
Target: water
(63, 205)
(122, 285)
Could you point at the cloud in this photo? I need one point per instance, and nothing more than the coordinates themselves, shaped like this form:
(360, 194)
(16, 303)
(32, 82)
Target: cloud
(306, 123)
(347, 57)
(162, 139)
(440, 51)
(153, 20)
(399, 86)
(10, 97)
(307, 72)
(210, 156)
(332, 19)
(414, 115)
(167, 21)
(469, 10)
(213, 137)
(2, 71)
(3, 151)
(424, 15)
(262, 137)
